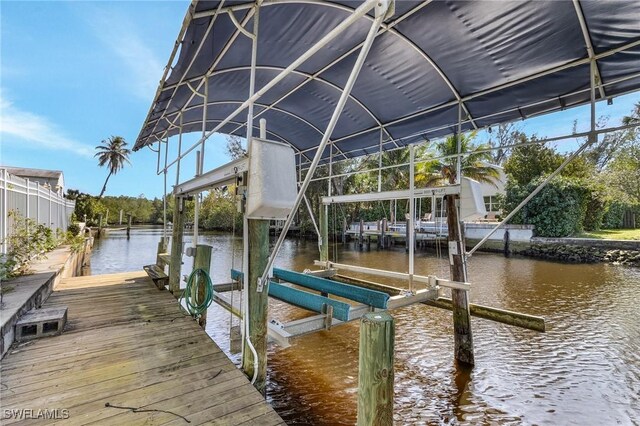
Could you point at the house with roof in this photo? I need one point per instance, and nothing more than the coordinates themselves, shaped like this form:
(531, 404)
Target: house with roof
(53, 179)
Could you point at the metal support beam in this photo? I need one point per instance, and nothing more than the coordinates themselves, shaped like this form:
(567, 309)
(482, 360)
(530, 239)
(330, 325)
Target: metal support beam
(403, 194)
(431, 280)
(221, 176)
(587, 40)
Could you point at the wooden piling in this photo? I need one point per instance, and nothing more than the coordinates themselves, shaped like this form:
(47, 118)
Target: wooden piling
(506, 248)
(375, 377)
(361, 234)
(162, 248)
(128, 225)
(258, 303)
(344, 230)
(177, 233)
(324, 233)
(406, 233)
(463, 338)
(202, 260)
(383, 233)
(99, 225)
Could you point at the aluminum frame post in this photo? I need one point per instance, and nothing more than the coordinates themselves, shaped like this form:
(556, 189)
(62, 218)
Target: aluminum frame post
(179, 151)
(5, 198)
(412, 214)
(364, 51)
(380, 164)
(204, 121)
(164, 194)
(196, 206)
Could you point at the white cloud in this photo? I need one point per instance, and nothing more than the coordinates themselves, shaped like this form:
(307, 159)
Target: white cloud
(118, 33)
(40, 131)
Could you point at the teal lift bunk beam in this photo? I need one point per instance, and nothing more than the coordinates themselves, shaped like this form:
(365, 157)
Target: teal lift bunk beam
(282, 333)
(374, 298)
(309, 301)
(303, 299)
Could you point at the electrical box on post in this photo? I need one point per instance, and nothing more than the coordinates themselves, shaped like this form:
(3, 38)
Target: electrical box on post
(272, 185)
(471, 201)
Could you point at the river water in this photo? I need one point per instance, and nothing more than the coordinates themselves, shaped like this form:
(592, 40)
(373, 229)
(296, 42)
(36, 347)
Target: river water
(584, 370)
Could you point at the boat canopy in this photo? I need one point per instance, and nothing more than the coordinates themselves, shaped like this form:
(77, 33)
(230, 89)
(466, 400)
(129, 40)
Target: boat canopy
(432, 64)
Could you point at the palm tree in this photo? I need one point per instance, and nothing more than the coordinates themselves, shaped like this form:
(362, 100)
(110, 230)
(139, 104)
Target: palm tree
(474, 163)
(113, 153)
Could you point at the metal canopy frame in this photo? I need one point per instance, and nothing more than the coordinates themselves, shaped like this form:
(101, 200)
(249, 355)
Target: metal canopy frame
(389, 27)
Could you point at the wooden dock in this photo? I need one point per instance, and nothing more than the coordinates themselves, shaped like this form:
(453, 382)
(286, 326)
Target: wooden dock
(127, 356)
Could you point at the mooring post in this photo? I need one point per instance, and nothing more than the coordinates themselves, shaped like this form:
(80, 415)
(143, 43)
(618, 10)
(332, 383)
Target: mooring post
(128, 225)
(375, 377)
(257, 303)
(361, 234)
(506, 249)
(407, 235)
(383, 234)
(463, 338)
(202, 260)
(162, 248)
(176, 245)
(120, 221)
(99, 225)
(324, 233)
(344, 230)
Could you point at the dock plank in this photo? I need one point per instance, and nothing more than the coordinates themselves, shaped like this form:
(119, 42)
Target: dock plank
(127, 344)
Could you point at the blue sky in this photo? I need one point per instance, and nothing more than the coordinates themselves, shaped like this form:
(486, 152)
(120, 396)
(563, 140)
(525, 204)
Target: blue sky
(75, 73)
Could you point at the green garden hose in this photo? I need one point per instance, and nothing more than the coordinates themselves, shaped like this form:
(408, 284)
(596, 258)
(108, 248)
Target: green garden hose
(197, 307)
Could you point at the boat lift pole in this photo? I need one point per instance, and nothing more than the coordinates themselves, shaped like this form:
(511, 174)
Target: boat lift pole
(412, 214)
(462, 335)
(381, 14)
(255, 252)
(164, 195)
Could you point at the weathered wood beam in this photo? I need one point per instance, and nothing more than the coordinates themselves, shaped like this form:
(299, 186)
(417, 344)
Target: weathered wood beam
(463, 337)
(324, 233)
(503, 316)
(177, 234)
(257, 302)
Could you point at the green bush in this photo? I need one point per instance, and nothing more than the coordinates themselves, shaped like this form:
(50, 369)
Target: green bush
(27, 241)
(614, 215)
(596, 206)
(557, 211)
(74, 229)
(74, 241)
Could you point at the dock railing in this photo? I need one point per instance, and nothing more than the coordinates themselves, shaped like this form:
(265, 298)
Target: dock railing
(31, 200)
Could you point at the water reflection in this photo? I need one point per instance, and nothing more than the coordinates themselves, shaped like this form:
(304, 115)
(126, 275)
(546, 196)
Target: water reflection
(584, 370)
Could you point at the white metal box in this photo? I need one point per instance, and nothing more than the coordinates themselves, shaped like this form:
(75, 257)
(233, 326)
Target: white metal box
(471, 201)
(272, 186)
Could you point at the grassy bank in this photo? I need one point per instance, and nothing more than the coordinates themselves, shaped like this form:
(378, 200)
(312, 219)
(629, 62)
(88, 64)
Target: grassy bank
(612, 234)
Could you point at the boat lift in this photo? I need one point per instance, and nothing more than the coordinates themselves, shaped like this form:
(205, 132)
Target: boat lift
(282, 83)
